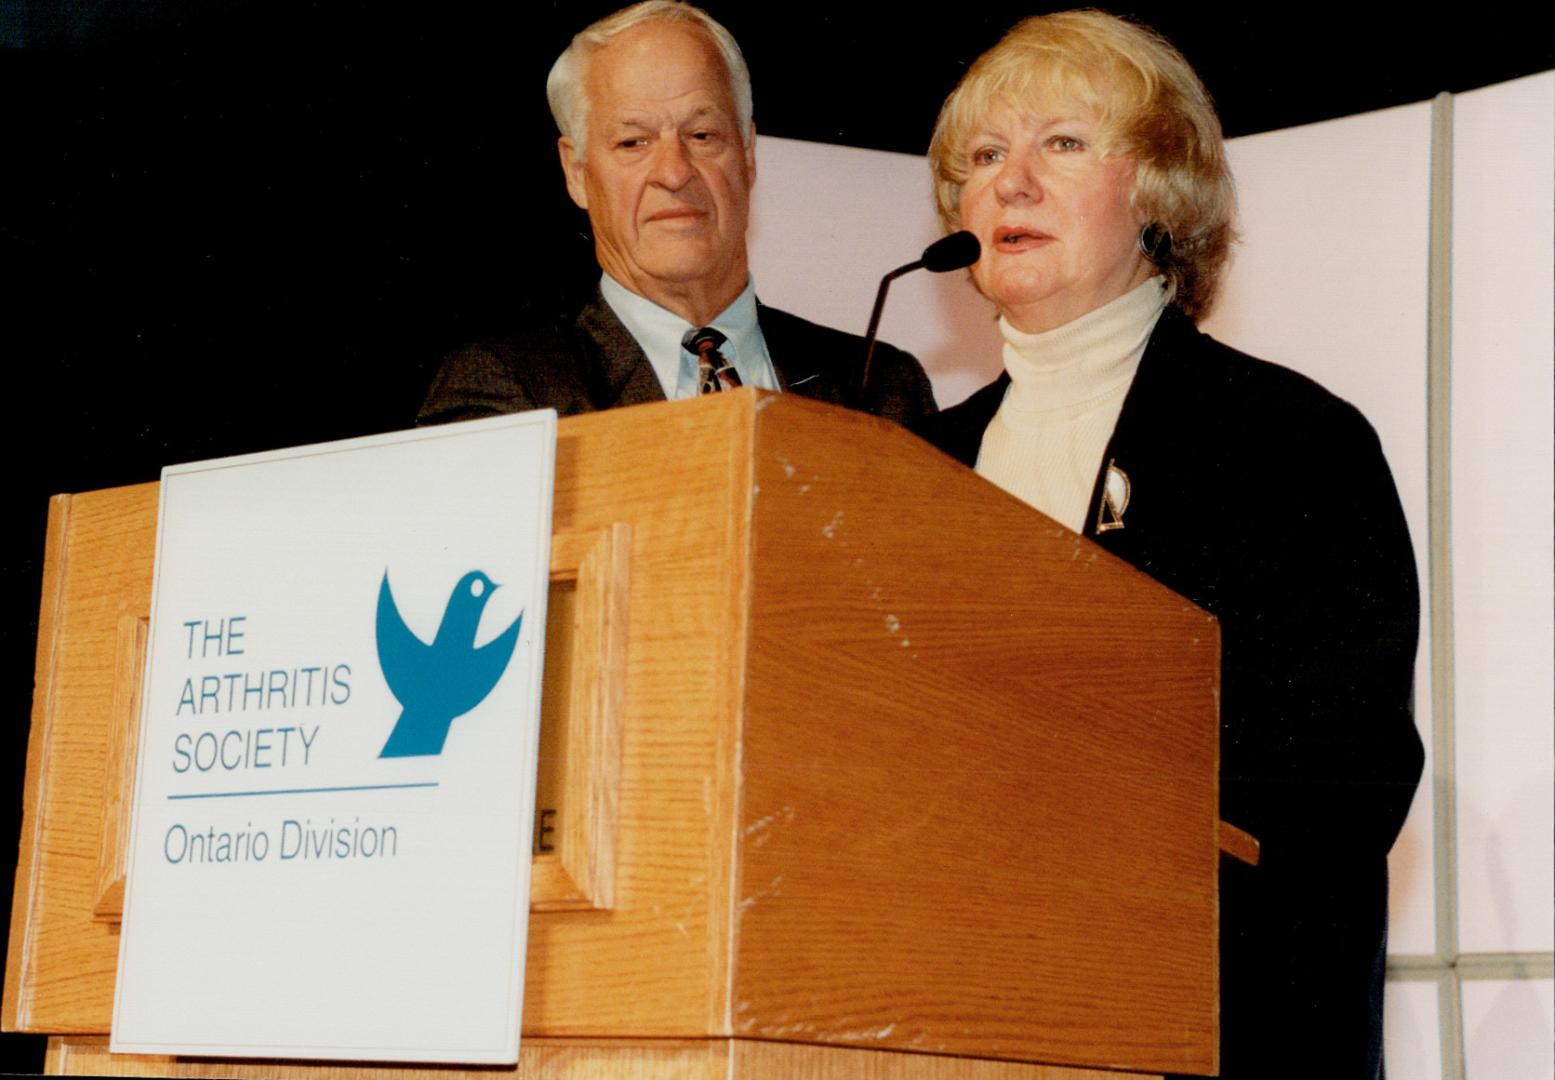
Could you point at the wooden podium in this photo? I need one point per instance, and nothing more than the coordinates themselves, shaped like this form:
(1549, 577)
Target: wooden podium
(856, 767)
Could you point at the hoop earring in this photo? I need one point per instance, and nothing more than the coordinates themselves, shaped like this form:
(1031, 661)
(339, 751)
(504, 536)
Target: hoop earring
(1155, 243)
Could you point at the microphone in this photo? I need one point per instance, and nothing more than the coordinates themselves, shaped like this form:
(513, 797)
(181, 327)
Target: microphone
(952, 252)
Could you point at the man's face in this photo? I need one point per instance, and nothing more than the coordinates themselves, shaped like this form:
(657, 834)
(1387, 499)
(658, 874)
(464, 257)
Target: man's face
(666, 177)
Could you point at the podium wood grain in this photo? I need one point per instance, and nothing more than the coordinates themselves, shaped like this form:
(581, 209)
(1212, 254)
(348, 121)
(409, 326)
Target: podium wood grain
(903, 764)
(933, 715)
(665, 941)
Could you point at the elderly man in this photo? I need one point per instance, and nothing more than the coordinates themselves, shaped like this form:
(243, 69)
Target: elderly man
(657, 145)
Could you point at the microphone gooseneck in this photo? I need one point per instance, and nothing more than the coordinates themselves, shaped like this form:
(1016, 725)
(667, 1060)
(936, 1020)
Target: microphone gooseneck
(953, 252)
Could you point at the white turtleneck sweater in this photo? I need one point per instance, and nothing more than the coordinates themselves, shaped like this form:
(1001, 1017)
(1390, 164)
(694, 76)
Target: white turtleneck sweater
(1067, 386)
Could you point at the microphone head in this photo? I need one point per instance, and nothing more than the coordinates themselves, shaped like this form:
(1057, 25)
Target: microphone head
(952, 252)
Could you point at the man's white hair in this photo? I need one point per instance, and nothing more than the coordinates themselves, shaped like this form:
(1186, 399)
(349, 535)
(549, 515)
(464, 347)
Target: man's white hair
(564, 86)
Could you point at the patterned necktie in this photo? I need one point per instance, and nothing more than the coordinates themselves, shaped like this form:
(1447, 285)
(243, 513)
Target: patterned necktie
(714, 371)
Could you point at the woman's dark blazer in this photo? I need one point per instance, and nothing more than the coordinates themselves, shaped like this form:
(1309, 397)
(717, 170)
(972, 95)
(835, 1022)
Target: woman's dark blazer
(1266, 500)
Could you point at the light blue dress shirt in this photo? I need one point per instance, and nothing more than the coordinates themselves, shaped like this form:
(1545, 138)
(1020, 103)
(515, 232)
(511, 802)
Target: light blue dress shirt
(660, 333)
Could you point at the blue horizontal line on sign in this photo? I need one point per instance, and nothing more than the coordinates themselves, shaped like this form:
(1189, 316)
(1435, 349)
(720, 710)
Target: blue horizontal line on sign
(301, 790)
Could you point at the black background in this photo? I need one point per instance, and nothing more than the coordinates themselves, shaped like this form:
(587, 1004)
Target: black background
(233, 226)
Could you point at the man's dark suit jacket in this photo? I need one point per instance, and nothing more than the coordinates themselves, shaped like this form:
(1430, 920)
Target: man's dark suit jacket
(587, 360)
(1266, 500)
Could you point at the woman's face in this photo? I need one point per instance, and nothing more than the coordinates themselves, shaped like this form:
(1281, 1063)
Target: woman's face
(1059, 236)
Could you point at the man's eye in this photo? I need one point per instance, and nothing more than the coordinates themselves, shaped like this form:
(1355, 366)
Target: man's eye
(632, 143)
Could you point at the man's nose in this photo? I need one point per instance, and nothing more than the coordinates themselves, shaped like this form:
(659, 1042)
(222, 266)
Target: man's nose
(1018, 180)
(671, 164)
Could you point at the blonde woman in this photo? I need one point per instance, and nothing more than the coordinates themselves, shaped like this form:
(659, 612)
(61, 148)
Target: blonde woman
(1085, 155)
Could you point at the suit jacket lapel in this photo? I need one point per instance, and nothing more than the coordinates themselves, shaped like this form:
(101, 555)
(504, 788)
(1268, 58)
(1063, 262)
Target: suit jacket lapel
(959, 429)
(1142, 443)
(621, 373)
(795, 358)
(779, 349)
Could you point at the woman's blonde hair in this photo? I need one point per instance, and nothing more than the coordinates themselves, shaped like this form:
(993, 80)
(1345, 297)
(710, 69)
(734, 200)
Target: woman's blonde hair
(1150, 106)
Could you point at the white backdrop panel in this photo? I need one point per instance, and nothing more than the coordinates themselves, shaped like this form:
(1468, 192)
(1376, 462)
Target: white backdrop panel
(1330, 279)
(1506, 1029)
(1411, 1031)
(827, 222)
(1503, 484)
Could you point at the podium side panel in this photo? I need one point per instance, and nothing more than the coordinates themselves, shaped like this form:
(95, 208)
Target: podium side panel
(67, 959)
(19, 970)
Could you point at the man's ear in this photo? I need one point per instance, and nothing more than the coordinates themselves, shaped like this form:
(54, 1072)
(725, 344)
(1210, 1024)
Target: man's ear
(750, 156)
(572, 169)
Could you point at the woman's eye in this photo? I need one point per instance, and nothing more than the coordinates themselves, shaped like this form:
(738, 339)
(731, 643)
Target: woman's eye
(1066, 143)
(986, 155)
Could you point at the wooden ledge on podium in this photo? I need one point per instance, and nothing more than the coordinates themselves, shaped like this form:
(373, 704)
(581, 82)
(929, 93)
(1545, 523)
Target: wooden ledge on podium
(856, 766)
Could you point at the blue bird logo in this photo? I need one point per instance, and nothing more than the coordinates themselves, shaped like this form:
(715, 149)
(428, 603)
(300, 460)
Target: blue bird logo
(440, 682)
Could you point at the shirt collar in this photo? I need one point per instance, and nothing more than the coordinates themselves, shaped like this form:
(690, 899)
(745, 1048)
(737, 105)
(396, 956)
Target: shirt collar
(660, 332)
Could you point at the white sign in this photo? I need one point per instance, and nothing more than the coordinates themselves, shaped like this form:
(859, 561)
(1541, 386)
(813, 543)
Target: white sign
(336, 782)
